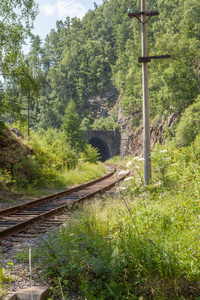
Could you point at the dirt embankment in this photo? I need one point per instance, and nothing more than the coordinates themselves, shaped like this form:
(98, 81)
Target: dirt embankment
(12, 150)
(13, 155)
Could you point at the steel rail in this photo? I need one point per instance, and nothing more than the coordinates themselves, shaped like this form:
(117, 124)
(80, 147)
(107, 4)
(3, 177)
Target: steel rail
(30, 204)
(26, 224)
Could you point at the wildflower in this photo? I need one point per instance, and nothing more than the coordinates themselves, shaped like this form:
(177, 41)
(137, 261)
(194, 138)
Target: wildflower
(138, 158)
(136, 167)
(51, 250)
(63, 261)
(163, 151)
(128, 178)
(123, 172)
(121, 188)
(129, 163)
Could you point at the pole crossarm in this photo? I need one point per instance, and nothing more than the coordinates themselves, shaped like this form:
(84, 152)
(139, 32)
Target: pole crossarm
(149, 58)
(138, 14)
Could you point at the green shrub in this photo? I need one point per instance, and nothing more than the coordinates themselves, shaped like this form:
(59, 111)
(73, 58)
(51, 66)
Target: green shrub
(109, 123)
(51, 148)
(28, 171)
(5, 178)
(189, 125)
(90, 154)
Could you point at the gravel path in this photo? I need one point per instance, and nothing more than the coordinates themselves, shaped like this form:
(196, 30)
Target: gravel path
(19, 270)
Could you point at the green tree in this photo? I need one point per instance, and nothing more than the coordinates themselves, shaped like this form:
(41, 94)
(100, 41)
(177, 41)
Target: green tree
(86, 124)
(19, 94)
(71, 126)
(35, 54)
(16, 22)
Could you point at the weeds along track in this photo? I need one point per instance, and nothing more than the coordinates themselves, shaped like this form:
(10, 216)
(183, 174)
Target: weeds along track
(25, 221)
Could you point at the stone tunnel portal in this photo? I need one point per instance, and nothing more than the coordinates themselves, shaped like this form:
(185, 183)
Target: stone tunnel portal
(103, 149)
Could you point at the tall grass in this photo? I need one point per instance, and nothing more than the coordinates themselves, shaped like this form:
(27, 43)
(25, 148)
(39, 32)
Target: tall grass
(142, 243)
(83, 172)
(127, 248)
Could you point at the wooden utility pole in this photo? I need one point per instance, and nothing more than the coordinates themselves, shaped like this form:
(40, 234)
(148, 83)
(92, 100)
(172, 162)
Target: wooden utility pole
(145, 84)
(142, 17)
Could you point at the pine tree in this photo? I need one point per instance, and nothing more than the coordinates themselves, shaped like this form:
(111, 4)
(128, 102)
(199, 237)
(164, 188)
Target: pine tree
(71, 126)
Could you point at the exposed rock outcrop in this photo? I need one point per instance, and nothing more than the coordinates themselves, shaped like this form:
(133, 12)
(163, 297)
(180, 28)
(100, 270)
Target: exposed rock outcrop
(133, 138)
(99, 106)
(17, 133)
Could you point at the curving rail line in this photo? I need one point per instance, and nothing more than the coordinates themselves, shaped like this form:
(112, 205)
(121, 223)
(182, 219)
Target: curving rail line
(19, 218)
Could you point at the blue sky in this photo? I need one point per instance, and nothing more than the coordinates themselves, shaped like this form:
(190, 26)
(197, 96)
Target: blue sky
(53, 10)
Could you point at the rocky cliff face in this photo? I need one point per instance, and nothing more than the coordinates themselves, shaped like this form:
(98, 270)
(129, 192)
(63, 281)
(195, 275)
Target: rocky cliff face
(99, 106)
(133, 138)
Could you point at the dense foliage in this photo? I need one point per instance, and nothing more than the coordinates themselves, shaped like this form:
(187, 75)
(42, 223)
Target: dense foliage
(16, 22)
(84, 58)
(189, 125)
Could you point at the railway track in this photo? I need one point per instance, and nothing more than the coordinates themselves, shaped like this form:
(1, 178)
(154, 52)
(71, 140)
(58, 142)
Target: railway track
(26, 221)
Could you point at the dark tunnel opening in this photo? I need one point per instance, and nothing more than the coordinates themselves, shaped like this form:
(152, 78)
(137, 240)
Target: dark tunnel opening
(102, 147)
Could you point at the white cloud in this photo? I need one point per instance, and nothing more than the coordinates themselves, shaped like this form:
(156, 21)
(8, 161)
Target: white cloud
(48, 8)
(64, 8)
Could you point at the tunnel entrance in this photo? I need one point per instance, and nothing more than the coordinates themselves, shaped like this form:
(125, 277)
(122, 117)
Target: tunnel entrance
(102, 147)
